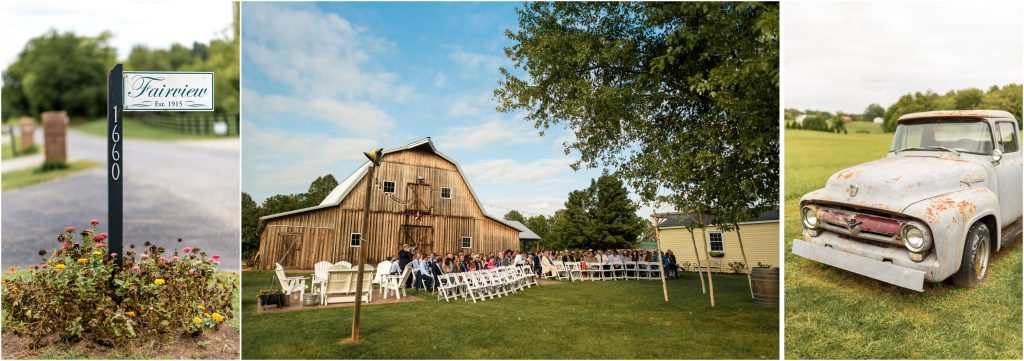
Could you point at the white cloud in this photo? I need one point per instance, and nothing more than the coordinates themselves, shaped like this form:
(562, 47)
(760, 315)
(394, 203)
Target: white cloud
(512, 171)
(846, 55)
(319, 54)
(276, 161)
(473, 61)
(359, 117)
(26, 19)
(491, 132)
(440, 80)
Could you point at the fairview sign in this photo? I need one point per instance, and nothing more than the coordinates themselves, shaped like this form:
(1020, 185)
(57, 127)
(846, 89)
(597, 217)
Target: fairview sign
(168, 91)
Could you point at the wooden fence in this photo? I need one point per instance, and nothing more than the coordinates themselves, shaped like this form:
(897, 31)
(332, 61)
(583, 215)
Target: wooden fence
(197, 123)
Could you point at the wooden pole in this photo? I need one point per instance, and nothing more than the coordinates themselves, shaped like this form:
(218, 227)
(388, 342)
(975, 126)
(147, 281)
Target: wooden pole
(696, 256)
(739, 236)
(362, 255)
(711, 282)
(661, 262)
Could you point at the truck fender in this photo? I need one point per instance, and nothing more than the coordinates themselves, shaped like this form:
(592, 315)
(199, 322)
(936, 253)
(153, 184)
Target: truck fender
(950, 216)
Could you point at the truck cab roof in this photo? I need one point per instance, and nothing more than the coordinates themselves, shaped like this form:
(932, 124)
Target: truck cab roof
(977, 114)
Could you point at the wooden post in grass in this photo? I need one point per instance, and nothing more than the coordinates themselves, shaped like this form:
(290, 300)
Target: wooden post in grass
(750, 284)
(661, 262)
(704, 236)
(696, 256)
(361, 258)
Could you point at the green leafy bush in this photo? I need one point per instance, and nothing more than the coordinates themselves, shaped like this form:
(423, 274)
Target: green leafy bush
(738, 267)
(76, 293)
(717, 254)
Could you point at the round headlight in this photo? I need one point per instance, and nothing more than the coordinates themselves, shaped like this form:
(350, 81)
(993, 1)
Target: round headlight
(810, 217)
(915, 239)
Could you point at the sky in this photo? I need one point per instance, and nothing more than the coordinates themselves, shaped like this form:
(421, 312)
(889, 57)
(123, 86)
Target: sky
(156, 24)
(843, 56)
(324, 82)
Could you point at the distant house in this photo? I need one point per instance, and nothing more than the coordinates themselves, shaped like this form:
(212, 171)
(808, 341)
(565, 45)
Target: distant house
(800, 118)
(760, 240)
(878, 120)
(418, 196)
(527, 239)
(847, 119)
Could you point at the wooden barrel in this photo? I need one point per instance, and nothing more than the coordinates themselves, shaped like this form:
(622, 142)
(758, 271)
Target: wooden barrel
(765, 284)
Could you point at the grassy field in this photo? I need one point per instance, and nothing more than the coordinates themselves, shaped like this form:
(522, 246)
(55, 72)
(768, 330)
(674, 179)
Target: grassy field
(26, 177)
(834, 314)
(137, 130)
(863, 128)
(581, 320)
(7, 153)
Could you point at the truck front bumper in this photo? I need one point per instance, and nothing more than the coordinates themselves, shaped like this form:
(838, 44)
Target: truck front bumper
(881, 266)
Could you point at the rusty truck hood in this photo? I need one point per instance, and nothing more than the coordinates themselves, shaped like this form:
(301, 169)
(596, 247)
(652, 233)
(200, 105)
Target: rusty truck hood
(895, 182)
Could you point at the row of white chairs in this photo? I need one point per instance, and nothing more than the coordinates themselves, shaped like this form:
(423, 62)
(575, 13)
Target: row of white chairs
(628, 270)
(484, 284)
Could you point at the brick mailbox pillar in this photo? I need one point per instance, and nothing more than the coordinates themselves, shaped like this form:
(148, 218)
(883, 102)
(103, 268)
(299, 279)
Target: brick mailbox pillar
(28, 129)
(55, 128)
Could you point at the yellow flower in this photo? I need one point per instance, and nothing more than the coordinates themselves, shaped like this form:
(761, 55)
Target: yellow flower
(97, 253)
(83, 260)
(197, 320)
(159, 281)
(60, 266)
(217, 317)
(201, 307)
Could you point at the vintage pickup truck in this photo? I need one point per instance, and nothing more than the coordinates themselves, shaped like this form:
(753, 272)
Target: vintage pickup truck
(945, 197)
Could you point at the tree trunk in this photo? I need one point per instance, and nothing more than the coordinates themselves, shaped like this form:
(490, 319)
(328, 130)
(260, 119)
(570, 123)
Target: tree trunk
(750, 284)
(661, 263)
(696, 256)
(711, 282)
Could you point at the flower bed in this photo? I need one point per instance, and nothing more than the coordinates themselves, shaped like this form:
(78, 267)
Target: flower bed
(76, 294)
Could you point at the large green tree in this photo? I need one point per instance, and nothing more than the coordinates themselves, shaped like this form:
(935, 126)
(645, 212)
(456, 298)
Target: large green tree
(59, 71)
(873, 111)
(601, 216)
(250, 226)
(514, 215)
(319, 189)
(680, 99)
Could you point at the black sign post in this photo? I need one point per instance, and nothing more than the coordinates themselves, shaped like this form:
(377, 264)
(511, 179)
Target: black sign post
(115, 160)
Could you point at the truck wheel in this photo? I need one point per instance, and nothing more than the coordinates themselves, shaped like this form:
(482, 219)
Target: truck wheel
(974, 265)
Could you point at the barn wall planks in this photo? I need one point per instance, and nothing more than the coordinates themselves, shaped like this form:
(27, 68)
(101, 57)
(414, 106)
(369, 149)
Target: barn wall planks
(302, 239)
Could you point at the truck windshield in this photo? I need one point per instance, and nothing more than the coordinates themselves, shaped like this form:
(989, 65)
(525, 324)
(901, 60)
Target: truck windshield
(962, 136)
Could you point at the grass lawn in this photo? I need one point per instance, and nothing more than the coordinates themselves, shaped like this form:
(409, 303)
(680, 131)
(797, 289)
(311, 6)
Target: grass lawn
(580, 320)
(863, 127)
(7, 153)
(834, 314)
(223, 344)
(137, 130)
(26, 177)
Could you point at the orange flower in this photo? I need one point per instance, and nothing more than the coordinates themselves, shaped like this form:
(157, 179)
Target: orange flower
(130, 314)
(12, 268)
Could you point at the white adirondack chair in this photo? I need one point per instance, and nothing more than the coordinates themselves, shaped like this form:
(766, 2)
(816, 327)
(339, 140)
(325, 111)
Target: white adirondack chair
(383, 268)
(344, 263)
(290, 285)
(395, 283)
(320, 277)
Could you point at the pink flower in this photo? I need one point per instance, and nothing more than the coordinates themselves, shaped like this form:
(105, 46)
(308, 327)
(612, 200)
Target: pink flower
(44, 265)
(186, 250)
(175, 258)
(136, 268)
(144, 256)
(94, 222)
(215, 257)
(100, 237)
(113, 254)
(69, 230)
(100, 245)
(163, 259)
(67, 245)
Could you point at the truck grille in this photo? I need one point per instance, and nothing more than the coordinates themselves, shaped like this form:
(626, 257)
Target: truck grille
(861, 225)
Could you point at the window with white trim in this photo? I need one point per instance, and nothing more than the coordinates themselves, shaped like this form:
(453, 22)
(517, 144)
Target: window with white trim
(389, 186)
(715, 241)
(356, 240)
(467, 242)
(446, 193)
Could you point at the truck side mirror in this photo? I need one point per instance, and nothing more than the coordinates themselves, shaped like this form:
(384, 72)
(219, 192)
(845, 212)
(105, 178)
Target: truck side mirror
(997, 155)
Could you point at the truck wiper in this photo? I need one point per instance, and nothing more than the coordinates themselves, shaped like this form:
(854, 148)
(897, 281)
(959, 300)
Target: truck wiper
(908, 148)
(944, 148)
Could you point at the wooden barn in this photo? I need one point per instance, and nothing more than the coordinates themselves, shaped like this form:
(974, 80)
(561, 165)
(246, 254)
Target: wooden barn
(419, 196)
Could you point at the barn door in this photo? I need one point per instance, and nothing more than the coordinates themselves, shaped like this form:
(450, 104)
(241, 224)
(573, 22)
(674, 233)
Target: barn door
(420, 236)
(288, 249)
(419, 198)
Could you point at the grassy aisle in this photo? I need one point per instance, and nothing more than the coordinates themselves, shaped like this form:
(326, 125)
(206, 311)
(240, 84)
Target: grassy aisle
(599, 320)
(833, 314)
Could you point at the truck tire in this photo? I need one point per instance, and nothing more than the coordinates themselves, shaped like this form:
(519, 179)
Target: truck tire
(977, 250)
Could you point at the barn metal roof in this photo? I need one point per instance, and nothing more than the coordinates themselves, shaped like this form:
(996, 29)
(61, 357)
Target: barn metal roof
(345, 187)
(524, 232)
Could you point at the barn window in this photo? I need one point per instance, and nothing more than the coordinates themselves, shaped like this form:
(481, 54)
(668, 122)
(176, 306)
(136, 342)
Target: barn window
(356, 241)
(446, 193)
(389, 186)
(467, 242)
(715, 241)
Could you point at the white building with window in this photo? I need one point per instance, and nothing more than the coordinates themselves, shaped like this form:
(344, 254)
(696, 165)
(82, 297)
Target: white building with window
(760, 241)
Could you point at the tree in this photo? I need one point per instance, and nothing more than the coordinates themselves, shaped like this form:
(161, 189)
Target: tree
(677, 98)
(514, 215)
(319, 189)
(873, 111)
(540, 225)
(250, 226)
(59, 71)
(616, 224)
